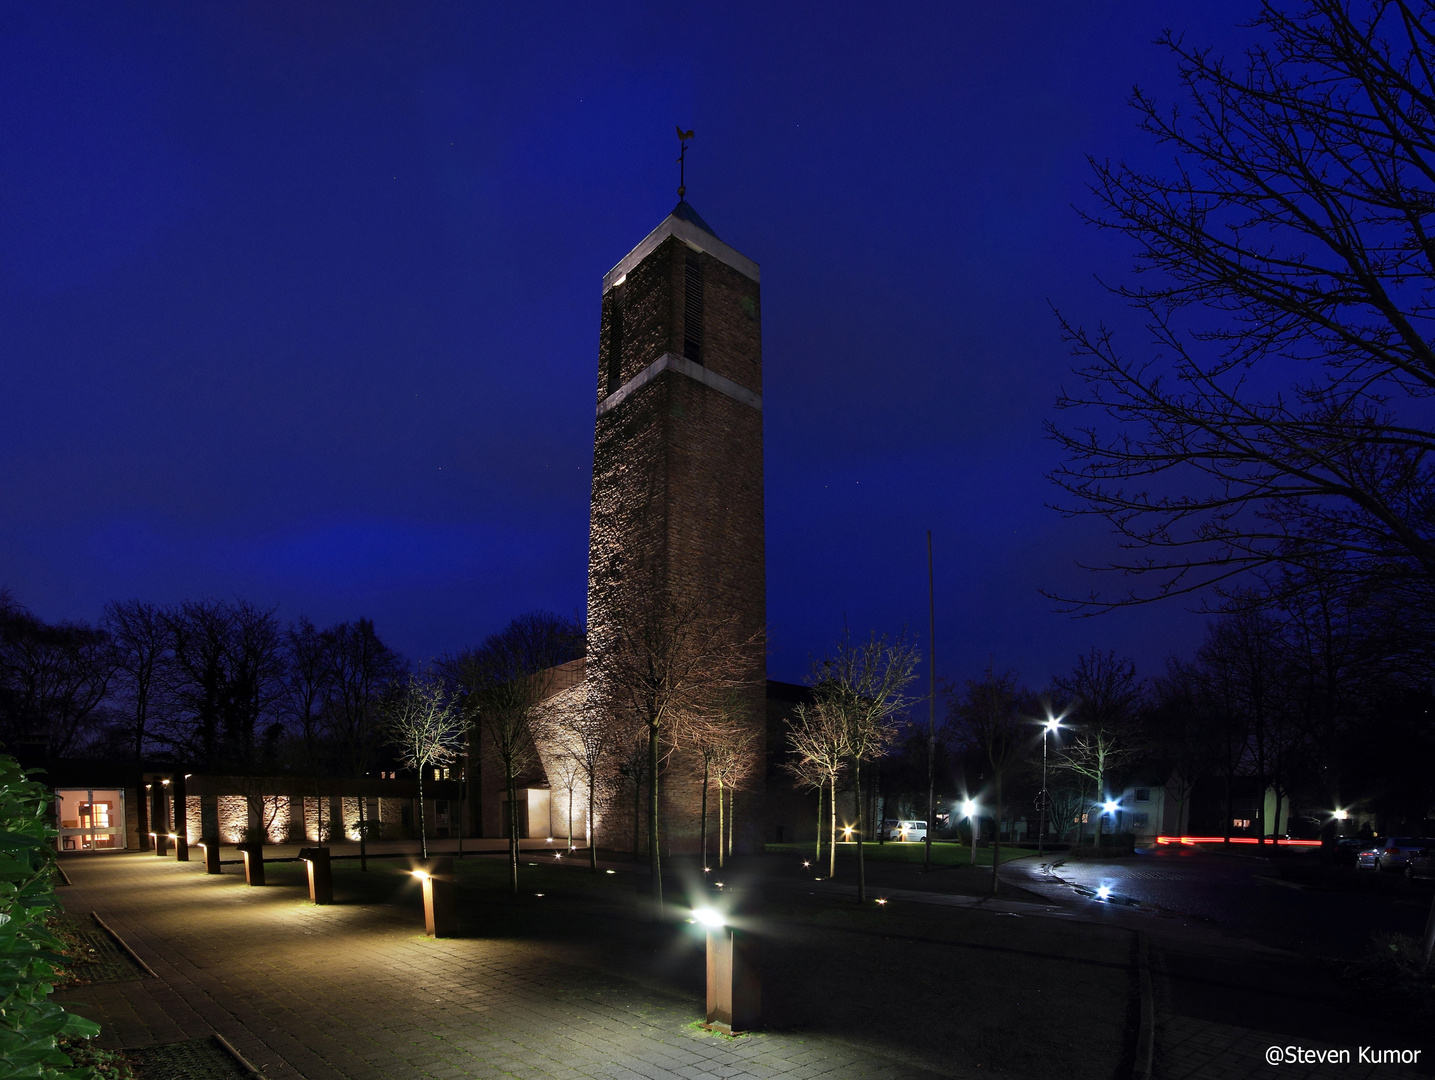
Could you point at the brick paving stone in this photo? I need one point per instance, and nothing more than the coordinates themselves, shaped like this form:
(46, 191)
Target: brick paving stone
(351, 992)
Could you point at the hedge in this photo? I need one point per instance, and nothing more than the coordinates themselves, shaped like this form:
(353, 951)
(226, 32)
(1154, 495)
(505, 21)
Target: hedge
(29, 952)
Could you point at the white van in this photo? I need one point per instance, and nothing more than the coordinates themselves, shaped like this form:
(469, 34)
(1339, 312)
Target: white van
(904, 830)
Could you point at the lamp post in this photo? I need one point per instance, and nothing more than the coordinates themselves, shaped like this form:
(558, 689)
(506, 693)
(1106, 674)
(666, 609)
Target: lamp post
(1051, 725)
(1113, 807)
(969, 809)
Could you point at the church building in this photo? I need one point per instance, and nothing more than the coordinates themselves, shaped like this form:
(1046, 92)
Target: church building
(677, 508)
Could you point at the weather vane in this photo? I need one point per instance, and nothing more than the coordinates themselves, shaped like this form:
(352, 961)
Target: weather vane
(683, 137)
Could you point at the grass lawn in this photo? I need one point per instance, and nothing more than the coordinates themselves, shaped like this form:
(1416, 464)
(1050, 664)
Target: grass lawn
(944, 852)
(976, 994)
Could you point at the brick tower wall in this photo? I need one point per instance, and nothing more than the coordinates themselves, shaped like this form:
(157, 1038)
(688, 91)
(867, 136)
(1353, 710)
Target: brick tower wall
(678, 503)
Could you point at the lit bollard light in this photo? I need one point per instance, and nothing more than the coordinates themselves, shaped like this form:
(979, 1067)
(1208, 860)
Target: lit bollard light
(439, 914)
(161, 843)
(734, 990)
(253, 863)
(321, 875)
(211, 855)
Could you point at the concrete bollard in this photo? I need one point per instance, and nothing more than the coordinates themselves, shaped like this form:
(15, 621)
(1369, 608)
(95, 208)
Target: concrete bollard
(440, 917)
(321, 874)
(211, 856)
(253, 863)
(161, 843)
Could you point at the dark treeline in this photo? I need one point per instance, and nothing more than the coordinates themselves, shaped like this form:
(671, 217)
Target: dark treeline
(1309, 690)
(220, 685)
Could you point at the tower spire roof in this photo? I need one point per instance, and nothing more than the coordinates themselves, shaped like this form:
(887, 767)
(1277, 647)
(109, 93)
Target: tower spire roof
(684, 212)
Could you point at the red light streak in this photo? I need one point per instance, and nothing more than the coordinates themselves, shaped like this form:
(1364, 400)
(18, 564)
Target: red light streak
(1191, 841)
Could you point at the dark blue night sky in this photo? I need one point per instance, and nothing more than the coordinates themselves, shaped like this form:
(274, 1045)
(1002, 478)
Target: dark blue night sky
(300, 302)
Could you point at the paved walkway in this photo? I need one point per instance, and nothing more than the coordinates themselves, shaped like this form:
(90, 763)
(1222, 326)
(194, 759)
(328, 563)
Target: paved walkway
(1223, 1003)
(352, 991)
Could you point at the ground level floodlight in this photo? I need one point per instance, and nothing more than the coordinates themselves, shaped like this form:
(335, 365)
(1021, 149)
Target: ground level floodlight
(440, 919)
(161, 842)
(211, 855)
(321, 874)
(253, 863)
(734, 991)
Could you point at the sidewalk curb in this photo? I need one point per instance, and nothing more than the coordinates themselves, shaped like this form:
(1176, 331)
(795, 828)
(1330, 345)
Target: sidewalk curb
(236, 1055)
(125, 945)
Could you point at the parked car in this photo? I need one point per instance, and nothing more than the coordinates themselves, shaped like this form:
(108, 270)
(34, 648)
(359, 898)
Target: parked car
(1348, 849)
(904, 830)
(1421, 867)
(1393, 852)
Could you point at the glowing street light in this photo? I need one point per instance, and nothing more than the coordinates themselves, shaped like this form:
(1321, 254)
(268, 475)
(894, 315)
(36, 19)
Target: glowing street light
(1342, 815)
(969, 811)
(1053, 723)
(710, 917)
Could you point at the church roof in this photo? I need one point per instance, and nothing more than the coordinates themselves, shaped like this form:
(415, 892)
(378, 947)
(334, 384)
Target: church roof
(687, 225)
(685, 212)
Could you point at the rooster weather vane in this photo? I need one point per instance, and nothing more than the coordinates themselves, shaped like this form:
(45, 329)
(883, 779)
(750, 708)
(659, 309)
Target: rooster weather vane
(683, 137)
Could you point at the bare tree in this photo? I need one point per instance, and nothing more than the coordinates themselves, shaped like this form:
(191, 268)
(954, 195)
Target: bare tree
(675, 660)
(733, 762)
(1104, 694)
(307, 687)
(426, 727)
(139, 642)
(1176, 727)
(989, 721)
(819, 742)
(53, 680)
(863, 686)
(223, 682)
(1287, 264)
(505, 677)
(361, 667)
(589, 738)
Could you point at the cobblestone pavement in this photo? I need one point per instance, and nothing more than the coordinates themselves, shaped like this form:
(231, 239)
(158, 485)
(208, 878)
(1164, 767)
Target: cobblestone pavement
(356, 991)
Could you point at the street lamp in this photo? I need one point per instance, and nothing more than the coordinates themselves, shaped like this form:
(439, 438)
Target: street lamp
(1052, 723)
(1112, 806)
(969, 810)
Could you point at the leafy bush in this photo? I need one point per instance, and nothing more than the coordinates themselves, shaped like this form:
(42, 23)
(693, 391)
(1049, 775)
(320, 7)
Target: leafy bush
(29, 951)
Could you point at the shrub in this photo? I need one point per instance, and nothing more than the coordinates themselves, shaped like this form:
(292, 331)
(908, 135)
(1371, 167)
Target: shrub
(29, 951)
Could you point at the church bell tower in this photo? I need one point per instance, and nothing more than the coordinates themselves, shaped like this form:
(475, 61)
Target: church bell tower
(677, 469)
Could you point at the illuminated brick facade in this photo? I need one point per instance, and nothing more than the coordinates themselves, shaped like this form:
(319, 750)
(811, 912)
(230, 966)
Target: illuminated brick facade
(677, 505)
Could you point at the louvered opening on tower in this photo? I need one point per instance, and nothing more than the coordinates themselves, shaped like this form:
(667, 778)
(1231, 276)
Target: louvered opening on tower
(693, 309)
